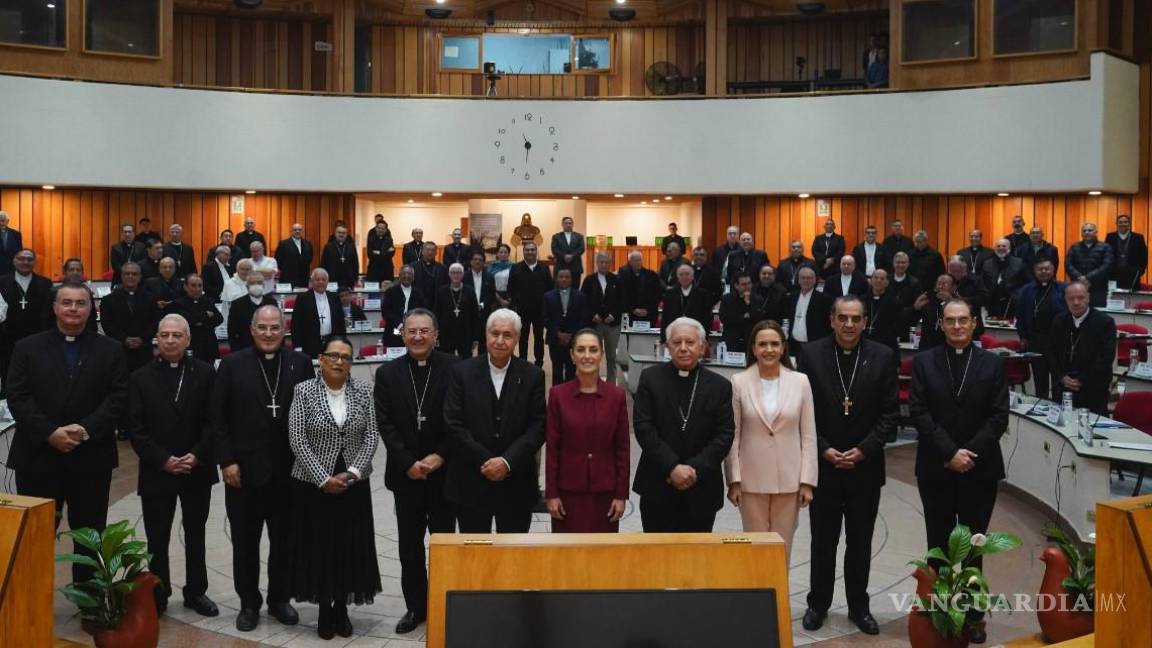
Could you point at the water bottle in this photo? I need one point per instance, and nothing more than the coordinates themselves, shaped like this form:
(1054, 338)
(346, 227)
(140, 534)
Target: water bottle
(1083, 428)
(1066, 404)
(721, 349)
(280, 301)
(787, 326)
(380, 346)
(1133, 358)
(656, 349)
(624, 321)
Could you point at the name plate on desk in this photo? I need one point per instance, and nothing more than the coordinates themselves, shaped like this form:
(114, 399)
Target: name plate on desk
(371, 304)
(1053, 416)
(641, 325)
(1116, 304)
(365, 325)
(372, 286)
(734, 358)
(333, 287)
(103, 291)
(395, 352)
(284, 288)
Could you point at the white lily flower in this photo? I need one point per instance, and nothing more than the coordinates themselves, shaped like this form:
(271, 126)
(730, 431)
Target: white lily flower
(979, 540)
(972, 580)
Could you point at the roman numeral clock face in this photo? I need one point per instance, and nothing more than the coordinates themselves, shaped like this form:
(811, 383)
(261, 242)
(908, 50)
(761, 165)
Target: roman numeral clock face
(526, 147)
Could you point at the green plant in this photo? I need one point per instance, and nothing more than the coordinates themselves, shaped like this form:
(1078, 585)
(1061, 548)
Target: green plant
(119, 559)
(1081, 578)
(958, 586)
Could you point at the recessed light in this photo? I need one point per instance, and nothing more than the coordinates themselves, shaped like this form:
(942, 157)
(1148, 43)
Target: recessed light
(51, 5)
(619, 1)
(643, 202)
(524, 31)
(48, 187)
(655, 200)
(667, 197)
(803, 195)
(436, 194)
(575, 197)
(250, 192)
(619, 195)
(1093, 193)
(1003, 194)
(410, 201)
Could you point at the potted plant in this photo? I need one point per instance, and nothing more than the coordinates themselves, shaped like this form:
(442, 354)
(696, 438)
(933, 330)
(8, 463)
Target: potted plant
(1068, 590)
(116, 605)
(950, 599)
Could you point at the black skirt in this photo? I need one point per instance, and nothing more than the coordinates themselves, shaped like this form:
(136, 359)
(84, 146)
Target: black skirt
(334, 545)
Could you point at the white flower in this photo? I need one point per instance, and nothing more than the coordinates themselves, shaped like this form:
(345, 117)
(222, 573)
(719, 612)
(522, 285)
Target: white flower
(979, 540)
(957, 568)
(972, 580)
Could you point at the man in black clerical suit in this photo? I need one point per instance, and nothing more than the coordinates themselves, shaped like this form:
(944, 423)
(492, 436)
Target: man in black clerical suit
(930, 306)
(1082, 348)
(971, 289)
(400, 298)
(483, 287)
(769, 296)
(1036, 249)
(294, 257)
(869, 254)
(565, 312)
(458, 313)
(412, 250)
(245, 239)
(168, 423)
(129, 316)
(27, 298)
(527, 283)
(975, 254)
(67, 392)
(494, 414)
(216, 272)
(150, 266)
(605, 305)
(1129, 254)
(125, 250)
(738, 313)
(146, 235)
(705, 276)
(428, 274)
(250, 404)
(180, 252)
(789, 270)
(340, 259)
(683, 422)
(827, 250)
(721, 253)
(318, 314)
(1018, 238)
(1003, 276)
(686, 300)
(897, 241)
(202, 317)
(166, 287)
(747, 259)
(673, 258)
(925, 263)
(241, 310)
(673, 237)
(568, 250)
(849, 281)
(883, 312)
(639, 289)
(409, 395)
(227, 240)
(11, 242)
(456, 251)
(905, 288)
(1038, 305)
(856, 400)
(807, 312)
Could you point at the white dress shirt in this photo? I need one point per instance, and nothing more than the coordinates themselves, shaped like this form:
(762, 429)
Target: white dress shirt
(769, 392)
(799, 325)
(869, 258)
(478, 285)
(845, 283)
(498, 376)
(407, 292)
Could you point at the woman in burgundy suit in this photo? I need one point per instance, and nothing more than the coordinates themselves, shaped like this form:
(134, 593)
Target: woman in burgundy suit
(586, 481)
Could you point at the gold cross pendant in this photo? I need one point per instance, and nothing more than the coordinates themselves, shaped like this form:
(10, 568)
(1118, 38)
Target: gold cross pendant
(847, 405)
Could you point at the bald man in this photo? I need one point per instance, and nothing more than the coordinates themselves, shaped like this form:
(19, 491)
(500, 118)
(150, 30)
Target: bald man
(1081, 351)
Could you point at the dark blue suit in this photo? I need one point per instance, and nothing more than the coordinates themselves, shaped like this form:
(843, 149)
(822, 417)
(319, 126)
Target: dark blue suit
(557, 320)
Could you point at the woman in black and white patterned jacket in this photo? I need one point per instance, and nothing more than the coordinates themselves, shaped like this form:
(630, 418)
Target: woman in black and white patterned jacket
(332, 430)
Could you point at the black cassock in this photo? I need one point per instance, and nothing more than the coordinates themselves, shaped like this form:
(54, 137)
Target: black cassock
(458, 313)
(342, 263)
(885, 319)
(1085, 353)
(295, 264)
(395, 307)
(28, 312)
(203, 318)
(696, 305)
(184, 256)
(662, 399)
(306, 322)
(124, 315)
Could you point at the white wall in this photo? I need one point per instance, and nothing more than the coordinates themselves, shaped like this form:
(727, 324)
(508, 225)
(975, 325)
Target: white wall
(1066, 136)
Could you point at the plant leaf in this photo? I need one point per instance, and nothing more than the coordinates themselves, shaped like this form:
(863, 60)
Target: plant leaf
(959, 544)
(936, 553)
(87, 538)
(998, 542)
(79, 559)
(82, 599)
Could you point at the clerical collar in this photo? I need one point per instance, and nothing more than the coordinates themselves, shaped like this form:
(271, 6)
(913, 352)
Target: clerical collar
(270, 356)
(174, 242)
(685, 373)
(685, 291)
(899, 278)
(1001, 256)
(457, 288)
(1077, 321)
(961, 351)
(531, 266)
(1123, 236)
(256, 300)
(319, 293)
(847, 352)
(419, 363)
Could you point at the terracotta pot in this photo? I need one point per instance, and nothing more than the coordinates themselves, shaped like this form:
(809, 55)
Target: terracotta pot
(921, 632)
(139, 628)
(1060, 625)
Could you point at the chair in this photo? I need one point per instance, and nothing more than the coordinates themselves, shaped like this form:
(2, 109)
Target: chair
(1135, 409)
(1017, 371)
(904, 379)
(989, 342)
(1143, 306)
(1124, 347)
(223, 349)
(288, 324)
(383, 324)
(368, 350)
(290, 303)
(716, 325)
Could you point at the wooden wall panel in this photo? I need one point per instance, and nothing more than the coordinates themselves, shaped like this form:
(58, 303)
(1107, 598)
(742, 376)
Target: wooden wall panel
(767, 49)
(84, 223)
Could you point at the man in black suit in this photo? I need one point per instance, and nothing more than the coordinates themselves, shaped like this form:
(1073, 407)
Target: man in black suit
(705, 276)
(1003, 275)
(202, 316)
(605, 305)
(1082, 349)
(895, 242)
(568, 250)
(789, 270)
(66, 391)
(683, 421)
(883, 312)
(673, 258)
(341, 260)
(806, 314)
(975, 254)
(428, 274)
(769, 297)
(565, 312)
(869, 254)
(250, 404)
(180, 252)
(412, 250)
(401, 297)
(857, 405)
(494, 413)
(146, 235)
(294, 257)
(127, 249)
(166, 287)
(527, 283)
(242, 310)
(409, 394)
(930, 306)
(1129, 254)
(848, 281)
(27, 298)
(924, 262)
(1038, 304)
(227, 240)
(905, 288)
(738, 313)
(11, 242)
(168, 423)
(483, 287)
(457, 312)
(747, 259)
(721, 254)
(1090, 262)
(217, 271)
(245, 239)
(1018, 238)
(129, 316)
(1036, 249)
(673, 237)
(317, 315)
(827, 250)
(640, 290)
(151, 264)
(686, 300)
(456, 251)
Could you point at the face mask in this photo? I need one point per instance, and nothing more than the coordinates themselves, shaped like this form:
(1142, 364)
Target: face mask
(256, 290)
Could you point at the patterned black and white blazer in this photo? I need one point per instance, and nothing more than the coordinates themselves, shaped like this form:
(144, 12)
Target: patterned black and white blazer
(317, 441)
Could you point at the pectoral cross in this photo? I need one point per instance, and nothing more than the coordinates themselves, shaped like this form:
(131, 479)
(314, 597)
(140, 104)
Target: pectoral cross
(23, 302)
(847, 403)
(420, 418)
(456, 311)
(275, 407)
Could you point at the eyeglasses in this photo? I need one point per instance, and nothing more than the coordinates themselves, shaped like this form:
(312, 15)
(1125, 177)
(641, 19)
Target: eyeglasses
(337, 357)
(957, 321)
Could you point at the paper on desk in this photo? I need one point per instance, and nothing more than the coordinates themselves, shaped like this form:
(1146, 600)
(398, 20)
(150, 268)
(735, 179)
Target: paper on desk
(1117, 445)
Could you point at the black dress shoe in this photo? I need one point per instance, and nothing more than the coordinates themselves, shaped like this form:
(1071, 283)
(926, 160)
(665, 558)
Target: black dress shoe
(247, 619)
(324, 622)
(979, 636)
(284, 613)
(202, 605)
(866, 622)
(341, 622)
(408, 623)
(813, 620)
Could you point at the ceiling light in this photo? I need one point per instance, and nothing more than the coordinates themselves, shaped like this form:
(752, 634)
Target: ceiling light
(250, 192)
(803, 195)
(48, 187)
(1003, 194)
(1093, 193)
(439, 1)
(655, 200)
(51, 5)
(436, 194)
(619, 195)
(410, 201)
(643, 202)
(667, 197)
(524, 31)
(619, 1)
(575, 197)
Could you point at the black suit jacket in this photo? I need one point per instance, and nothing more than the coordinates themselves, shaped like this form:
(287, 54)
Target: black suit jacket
(453, 253)
(560, 247)
(828, 247)
(885, 320)
(858, 286)
(459, 329)
(481, 427)
(306, 322)
(37, 316)
(343, 273)
(123, 316)
(815, 318)
(788, 274)
(1129, 261)
(975, 420)
(893, 244)
(640, 291)
(164, 291)
(393, 308)
(1030, 255)
(975, 259)
(872, 418)
(295, 265)
(487, 291)
(526, 288)
(203, 318)
(184, 256)
(926, 265)
(244, 430)
(380, 251)
(557, 321)
(44, 395)
(411, 252)
(243, 240)
(240, 314)
(396, 417)
(161, 427)
(232, 260)
(703, 444)
(749, 263)
(8, 250)
(697, 305)
(738, 317)
(1092, 360)
(606, 302)
(709, 279)
(881, 260)
(429, 278)
(119, 254)
(214, 280)
(771, 302)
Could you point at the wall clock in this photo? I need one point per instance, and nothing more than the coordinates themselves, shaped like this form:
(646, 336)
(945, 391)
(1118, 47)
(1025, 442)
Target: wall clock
(527, 146)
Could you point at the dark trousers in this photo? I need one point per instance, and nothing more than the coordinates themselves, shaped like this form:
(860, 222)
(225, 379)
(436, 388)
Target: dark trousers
(5, 362)
(953, 500)
(458, 343)
(159, 511)
(509, 518)
(666, 516)
(855, 504)
(1041, 368)
(535, 322)
(86, 495)
(563, 369)
(423, 510)
(249, 509)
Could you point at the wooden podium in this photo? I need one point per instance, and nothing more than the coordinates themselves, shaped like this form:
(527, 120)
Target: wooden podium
(610, 561)
(1124, 567)
(26, 570)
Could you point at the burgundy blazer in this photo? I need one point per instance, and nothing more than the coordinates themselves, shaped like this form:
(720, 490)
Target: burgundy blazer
(587, 441)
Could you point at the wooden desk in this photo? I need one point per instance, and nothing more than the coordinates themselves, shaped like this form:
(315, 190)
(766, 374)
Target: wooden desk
(27, 570)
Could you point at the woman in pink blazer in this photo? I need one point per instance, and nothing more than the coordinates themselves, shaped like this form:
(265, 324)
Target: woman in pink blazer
(771, 468)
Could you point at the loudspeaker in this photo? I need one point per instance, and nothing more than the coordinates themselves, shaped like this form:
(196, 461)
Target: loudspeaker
(629, 240)
(437, 13)
(490, 17)
(621, 14)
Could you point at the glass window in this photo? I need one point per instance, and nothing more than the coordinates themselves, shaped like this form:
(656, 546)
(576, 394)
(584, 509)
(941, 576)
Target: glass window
(460, 53)
(122, 26)
(938, 30)
(1024, 26)
(593, 52)
(34, 22)
(529, 53)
